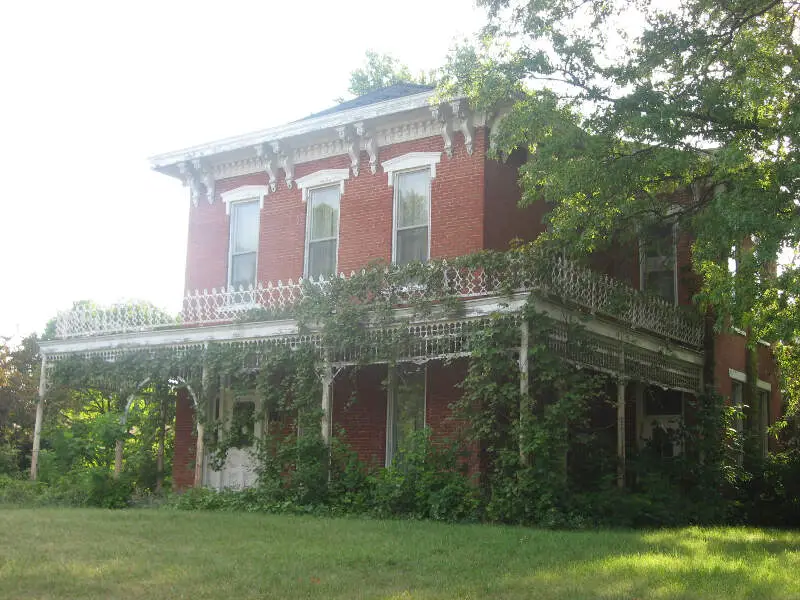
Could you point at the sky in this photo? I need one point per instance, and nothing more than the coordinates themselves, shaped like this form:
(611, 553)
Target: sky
(90, 90)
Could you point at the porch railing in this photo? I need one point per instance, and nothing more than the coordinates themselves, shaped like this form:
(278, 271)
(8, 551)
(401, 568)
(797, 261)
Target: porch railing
(557, 278)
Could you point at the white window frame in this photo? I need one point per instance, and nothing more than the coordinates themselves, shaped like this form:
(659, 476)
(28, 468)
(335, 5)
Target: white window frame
(643, 266)
(309, 194)
(391, 409)
(322, 178)
(410, 163)
(242, 195)
(740, 378)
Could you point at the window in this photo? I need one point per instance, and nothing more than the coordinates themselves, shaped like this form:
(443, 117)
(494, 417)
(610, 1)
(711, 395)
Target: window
(322, 233)
(243, 244)
(411, 175)
(662, 420)
(405, 408)
(242, 434)
(658, 264)
(412, 191)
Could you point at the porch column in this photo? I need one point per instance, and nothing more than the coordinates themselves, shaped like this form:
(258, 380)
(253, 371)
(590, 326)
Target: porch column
(37, 428)
(118, 458)
(524, 403)
(200, 449)
(327, 402)
(621, 432)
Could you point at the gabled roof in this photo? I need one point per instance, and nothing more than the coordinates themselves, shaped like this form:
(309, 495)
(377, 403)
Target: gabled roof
(397, 90)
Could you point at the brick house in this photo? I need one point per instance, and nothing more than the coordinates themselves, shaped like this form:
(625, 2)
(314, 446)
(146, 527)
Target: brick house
(391, 177)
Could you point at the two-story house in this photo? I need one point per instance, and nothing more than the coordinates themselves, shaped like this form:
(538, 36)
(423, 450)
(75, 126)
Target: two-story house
(393, 177)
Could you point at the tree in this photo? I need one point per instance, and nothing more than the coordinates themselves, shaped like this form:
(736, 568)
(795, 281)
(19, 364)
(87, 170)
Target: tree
(704, 97)
(19, 376)
(382, 70)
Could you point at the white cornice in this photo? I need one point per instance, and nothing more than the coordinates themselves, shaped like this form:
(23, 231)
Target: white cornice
(297, 128)
(412, 160)
(244, 192)
(321, 178)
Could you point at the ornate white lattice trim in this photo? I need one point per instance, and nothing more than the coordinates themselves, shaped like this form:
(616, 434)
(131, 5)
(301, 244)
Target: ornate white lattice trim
(322, 178)
(245, 192)
(412, 160)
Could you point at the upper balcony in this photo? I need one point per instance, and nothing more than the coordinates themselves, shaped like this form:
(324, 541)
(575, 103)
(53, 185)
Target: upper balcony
(497, 276)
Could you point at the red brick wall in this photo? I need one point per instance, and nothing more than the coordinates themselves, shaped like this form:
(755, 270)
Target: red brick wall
(457, 204)
(504, 220)
(442, 390)
(359, 407)
(185, 442)
(730, 353)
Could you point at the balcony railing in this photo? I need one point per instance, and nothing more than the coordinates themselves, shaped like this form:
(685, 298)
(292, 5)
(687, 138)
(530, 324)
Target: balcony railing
(555, 278)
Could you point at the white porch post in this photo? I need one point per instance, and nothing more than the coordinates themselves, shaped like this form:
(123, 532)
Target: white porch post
(327, 402)
(200, 449)
(621, 432)
(37, 428)
(524, 404)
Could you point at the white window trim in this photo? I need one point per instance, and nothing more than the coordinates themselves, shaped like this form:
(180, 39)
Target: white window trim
(242, 197)
(308, 223)
(391, 399)
(410, 162)
(322, 178)
(394, 206)
(243, 194)
(742, 378)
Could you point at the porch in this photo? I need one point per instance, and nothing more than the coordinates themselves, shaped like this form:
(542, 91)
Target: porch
(435, 314)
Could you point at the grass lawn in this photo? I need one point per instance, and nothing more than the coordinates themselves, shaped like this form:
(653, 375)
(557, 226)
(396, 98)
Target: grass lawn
(155, 554)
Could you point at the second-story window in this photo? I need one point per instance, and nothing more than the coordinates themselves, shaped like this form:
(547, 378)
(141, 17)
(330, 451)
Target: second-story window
(412, 202)
(659, 262)
(322, 238)
(243, 244)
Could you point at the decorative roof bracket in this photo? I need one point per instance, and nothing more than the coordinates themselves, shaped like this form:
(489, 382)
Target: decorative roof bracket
(370, 145)
(286, 161)
(199, 178)
(463, 119)
(443, 114)
(265, 152)
(352, 144)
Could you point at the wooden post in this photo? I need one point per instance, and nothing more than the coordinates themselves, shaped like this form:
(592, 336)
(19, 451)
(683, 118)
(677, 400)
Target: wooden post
(524, 403)
(37, 428)
(621, 433)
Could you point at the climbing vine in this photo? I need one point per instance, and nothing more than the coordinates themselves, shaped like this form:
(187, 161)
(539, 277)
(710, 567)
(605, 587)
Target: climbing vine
(546, 447)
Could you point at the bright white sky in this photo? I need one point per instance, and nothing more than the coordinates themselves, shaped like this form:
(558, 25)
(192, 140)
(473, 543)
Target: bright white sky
(89, 90)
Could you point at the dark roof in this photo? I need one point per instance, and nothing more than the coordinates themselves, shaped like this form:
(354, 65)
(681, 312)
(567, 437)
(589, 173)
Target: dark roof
(397, 90)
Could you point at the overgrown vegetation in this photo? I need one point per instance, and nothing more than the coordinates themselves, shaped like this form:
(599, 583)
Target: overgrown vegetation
(545, 457)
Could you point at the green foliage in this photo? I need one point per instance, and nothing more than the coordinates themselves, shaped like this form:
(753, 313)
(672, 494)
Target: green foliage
(620, 104)
(382, 70)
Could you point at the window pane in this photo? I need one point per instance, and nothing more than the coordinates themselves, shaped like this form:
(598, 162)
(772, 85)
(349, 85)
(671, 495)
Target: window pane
(244, 228)
(661, 283)
(243, 270)
(413, 190)
(660, 241)
(412, 244)
(322, 258)
(243, 424)
(324, 213)
(409, 406)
